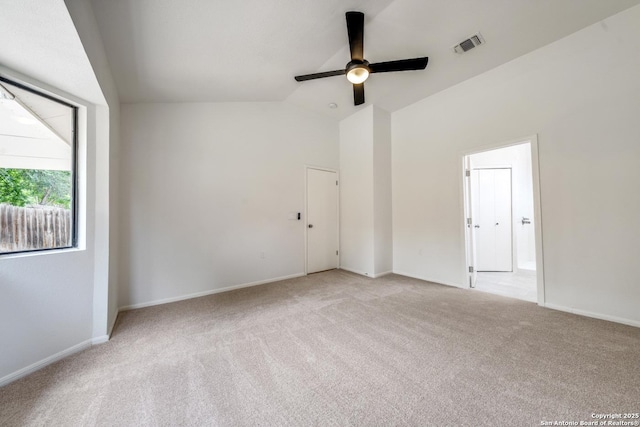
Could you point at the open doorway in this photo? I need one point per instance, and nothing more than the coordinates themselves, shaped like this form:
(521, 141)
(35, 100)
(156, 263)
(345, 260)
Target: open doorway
(502, 221)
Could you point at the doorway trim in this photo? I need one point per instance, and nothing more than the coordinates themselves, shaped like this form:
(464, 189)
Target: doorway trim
(306, 213)
(537, 220)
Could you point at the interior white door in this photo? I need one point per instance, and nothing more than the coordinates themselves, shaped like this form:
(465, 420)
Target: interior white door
(492, 219)
(322, 220)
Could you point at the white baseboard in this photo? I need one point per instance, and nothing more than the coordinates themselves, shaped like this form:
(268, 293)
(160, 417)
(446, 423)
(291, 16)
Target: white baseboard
(104, 338)
(384, 273)
(99, 340)
(44, 362)
(361, 273)
(572, 310)
(437, 282)
(351, 270)
(211, 292)
(113, 323)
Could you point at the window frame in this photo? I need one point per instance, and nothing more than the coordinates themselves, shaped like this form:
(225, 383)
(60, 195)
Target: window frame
(74, 168)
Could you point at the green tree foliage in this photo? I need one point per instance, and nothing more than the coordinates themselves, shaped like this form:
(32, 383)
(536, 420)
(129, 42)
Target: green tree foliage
(24, 187)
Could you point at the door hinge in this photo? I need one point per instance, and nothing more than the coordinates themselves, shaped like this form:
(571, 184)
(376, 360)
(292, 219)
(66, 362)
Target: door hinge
(470, 269)
(336, 252)
(336, 182)
(467, 173)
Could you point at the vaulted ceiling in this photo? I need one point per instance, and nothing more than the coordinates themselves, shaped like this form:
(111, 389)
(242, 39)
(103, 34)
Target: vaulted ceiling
(250, 50)
(38, 39)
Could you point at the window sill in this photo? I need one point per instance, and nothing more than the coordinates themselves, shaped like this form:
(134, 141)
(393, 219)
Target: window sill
(39, 252)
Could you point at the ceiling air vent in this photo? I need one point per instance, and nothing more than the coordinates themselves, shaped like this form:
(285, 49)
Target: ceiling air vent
(469, 43)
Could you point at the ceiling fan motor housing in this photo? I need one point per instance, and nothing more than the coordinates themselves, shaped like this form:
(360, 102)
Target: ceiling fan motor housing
(357, 71)
(356, 63)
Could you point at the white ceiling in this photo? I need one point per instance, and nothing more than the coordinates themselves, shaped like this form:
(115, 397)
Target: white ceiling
(39, 40)
(235, 51)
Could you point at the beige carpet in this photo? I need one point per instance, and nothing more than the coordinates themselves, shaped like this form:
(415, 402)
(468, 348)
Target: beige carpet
(336, 349)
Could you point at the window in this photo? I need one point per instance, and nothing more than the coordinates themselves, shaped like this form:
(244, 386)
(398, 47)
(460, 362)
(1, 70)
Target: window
(37, 170)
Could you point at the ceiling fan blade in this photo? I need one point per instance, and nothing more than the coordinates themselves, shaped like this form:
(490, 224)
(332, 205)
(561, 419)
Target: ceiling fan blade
(355, 29)
(400, 65)
(319, 75)
(358, 94)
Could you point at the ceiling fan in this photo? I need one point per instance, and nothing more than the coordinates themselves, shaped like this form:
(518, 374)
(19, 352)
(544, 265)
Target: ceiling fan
(358, 69)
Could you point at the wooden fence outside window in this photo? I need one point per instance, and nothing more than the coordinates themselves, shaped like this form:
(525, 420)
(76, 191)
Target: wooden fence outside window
(37, 227)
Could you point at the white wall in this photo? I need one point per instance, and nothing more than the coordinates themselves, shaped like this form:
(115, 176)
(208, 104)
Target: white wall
(53, 303)
(581, 95)
(356, 193)
(382, 226)
(46, 307)
(518, 158)
(105, 295)
(365, 193)
(207, 187)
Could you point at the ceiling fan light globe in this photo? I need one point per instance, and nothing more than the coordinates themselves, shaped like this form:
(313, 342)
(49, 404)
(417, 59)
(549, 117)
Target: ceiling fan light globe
(358, 75)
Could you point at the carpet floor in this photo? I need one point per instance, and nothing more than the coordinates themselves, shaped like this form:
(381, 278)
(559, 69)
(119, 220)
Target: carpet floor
(337, 349)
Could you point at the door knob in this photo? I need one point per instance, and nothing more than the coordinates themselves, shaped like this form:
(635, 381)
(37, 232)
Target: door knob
(497, 223)
(310, 225)
(476, 226)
